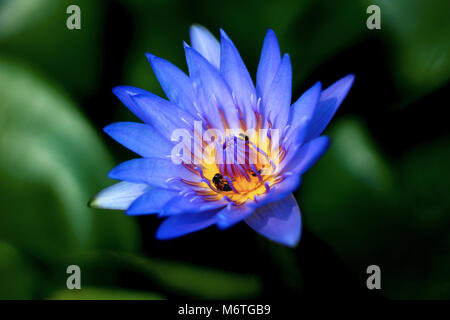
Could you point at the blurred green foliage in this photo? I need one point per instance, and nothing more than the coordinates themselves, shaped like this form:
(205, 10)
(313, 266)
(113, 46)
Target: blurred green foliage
(35, 31)
(91, 293)
(102, 269)
(16, 274)
(395, 213)
(418, 32)
(369, 208)
(54, 159)
(190, 280)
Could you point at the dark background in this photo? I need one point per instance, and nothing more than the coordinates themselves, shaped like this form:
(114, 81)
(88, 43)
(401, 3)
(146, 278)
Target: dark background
(379, 196)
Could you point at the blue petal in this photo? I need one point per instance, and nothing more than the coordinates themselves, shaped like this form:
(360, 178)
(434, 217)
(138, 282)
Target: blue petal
(236, 75)
(176, 84)
(191, 203)
(294, 141)
(268, 63)
(216, 92)
(278, 99)
(280, 191)
(301, 114)
(304, 106)
(152, 201)
(279, 221)
(125, 94)
(206, 44)
(140, 138)
(160, 114)
(308, 155)
(179, 225)
(162, 173)
(330, 100)
(232, 214)
(118, 196)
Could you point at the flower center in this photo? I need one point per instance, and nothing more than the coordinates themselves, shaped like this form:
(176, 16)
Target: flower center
(239, 169)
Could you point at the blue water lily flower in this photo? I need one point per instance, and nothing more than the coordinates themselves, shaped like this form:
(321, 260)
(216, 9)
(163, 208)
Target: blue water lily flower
(247, 150)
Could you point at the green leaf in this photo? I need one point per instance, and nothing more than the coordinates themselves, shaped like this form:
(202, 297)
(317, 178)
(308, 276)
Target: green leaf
(417, 33)
(391, 215)
(93, 293)
(51, 163)
(167, 277)
(345, 196)
(424, 238)
(200, 282)
(16, 274)
(35, 31)
(352, 173)
(19, 15)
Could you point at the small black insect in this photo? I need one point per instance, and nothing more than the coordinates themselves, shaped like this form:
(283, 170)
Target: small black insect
(254, 174)
(243, 136)
(221, 183)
